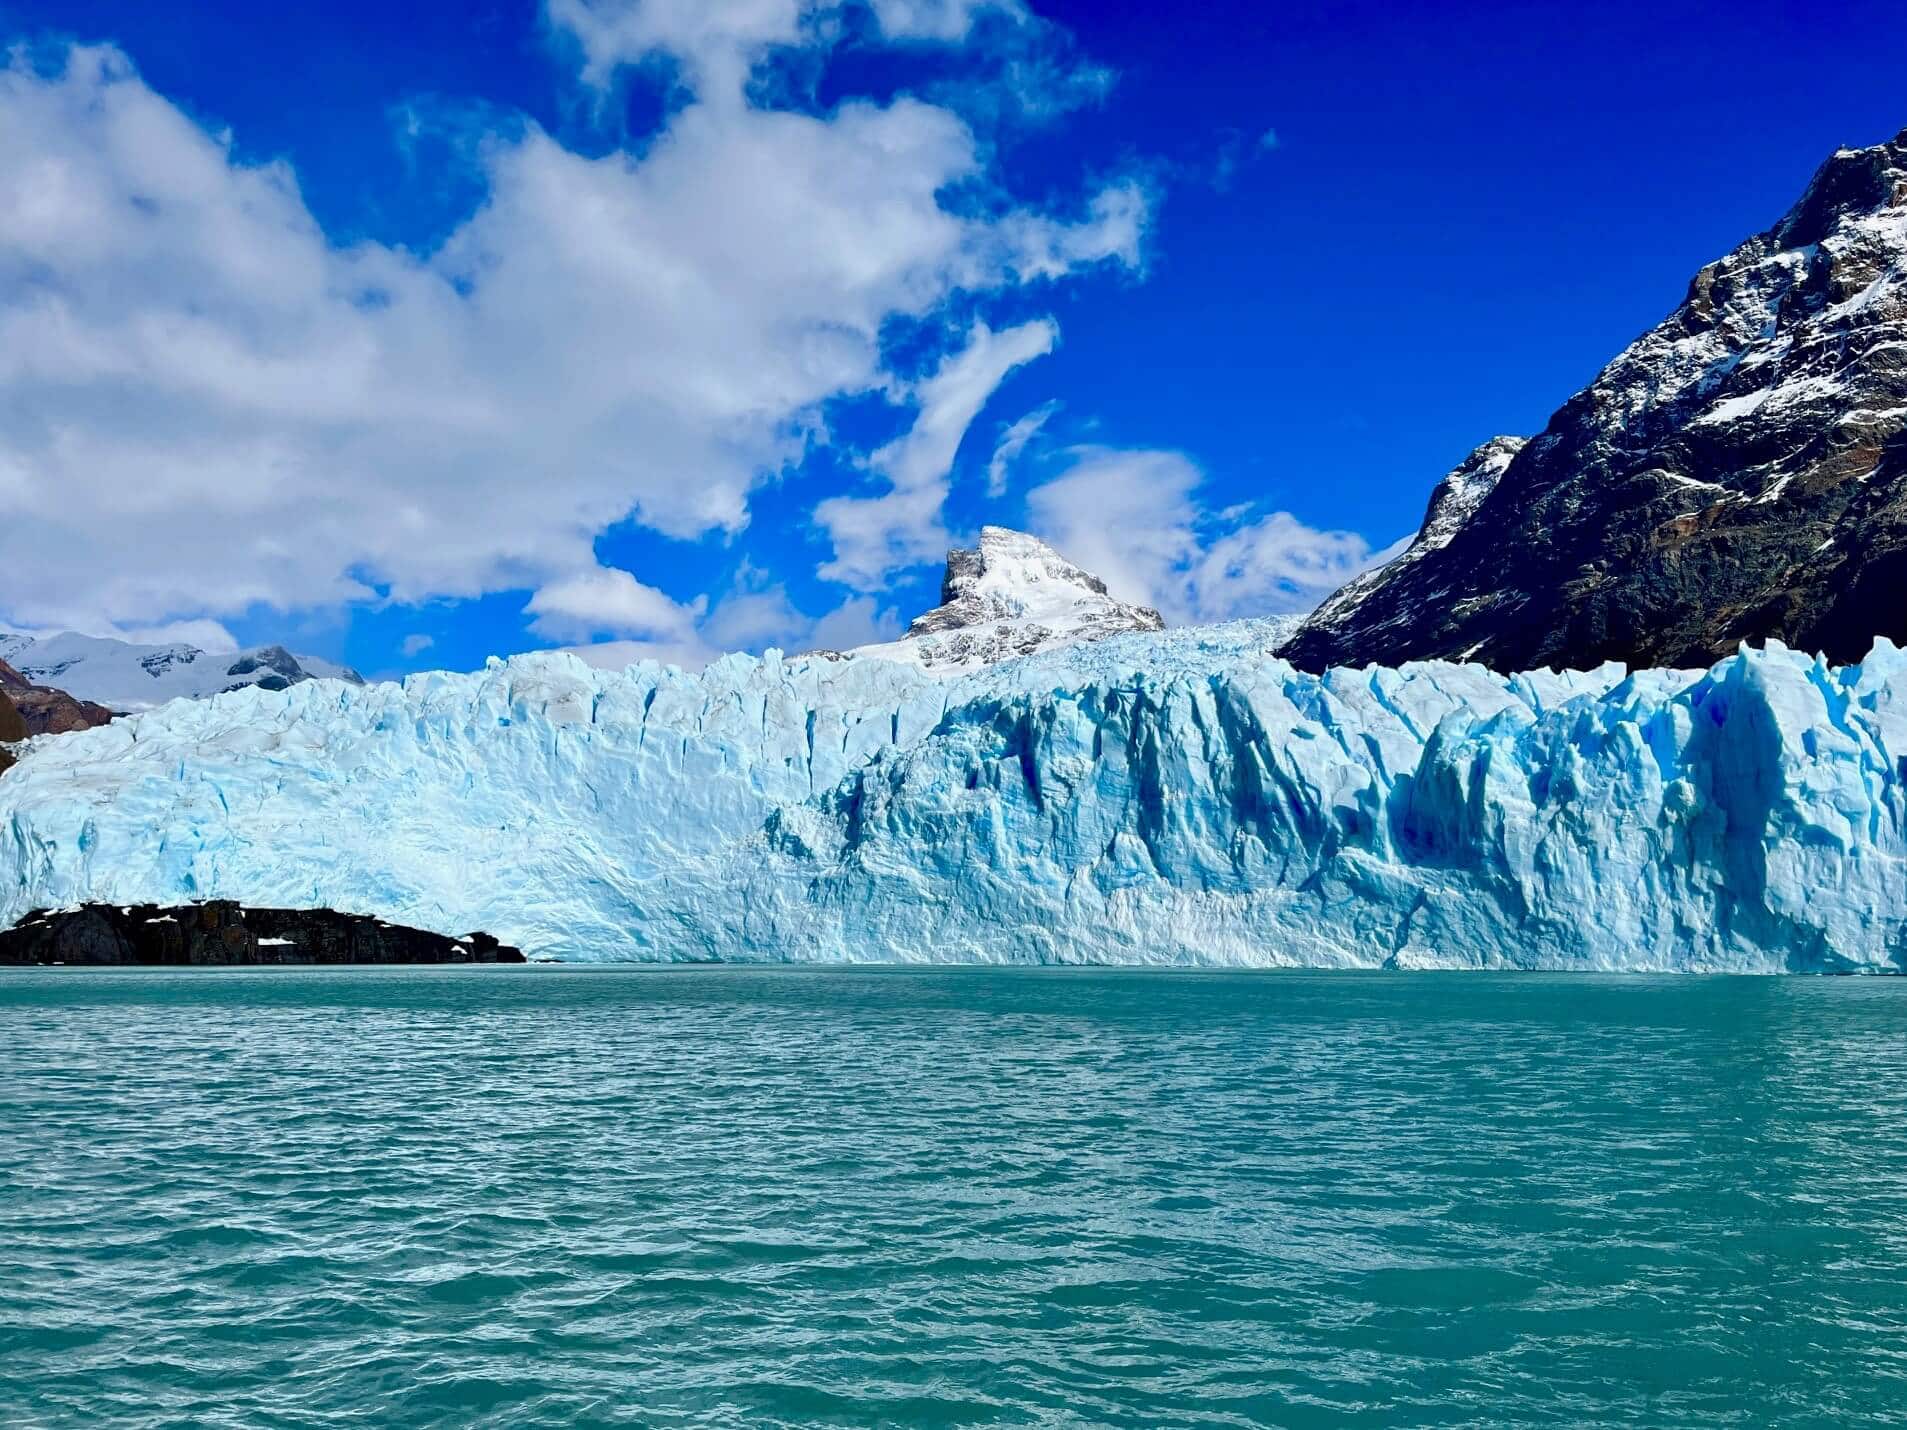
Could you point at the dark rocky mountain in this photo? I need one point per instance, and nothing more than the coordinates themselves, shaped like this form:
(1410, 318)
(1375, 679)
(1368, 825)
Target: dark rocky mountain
(1739, 473)
(218, 932)
(12, 729)
(47, 711)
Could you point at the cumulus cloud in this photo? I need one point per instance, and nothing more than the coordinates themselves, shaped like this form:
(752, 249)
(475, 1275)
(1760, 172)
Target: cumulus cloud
(1134, 518)
(609, 601)
(857, 621)
(415, 645)
(902, 527)
(207, 405)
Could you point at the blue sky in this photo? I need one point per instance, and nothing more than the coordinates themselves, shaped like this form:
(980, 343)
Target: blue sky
(413, 334)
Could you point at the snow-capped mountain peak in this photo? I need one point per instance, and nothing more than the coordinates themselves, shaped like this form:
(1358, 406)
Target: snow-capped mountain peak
(126, 677)
(1011, 595)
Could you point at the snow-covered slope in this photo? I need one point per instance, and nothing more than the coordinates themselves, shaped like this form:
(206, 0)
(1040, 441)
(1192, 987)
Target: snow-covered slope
(1012, 595)
(1175, 797)
(123, 676)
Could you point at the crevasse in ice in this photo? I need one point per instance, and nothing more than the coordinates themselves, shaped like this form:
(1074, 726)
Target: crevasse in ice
(1174, 797)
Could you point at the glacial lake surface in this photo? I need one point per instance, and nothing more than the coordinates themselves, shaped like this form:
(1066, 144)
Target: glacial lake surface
(741, 1197)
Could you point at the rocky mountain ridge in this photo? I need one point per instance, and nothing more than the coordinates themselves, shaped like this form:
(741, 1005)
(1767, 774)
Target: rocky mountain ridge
(1738, 473)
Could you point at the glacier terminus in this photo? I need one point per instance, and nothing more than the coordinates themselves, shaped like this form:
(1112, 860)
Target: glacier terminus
(1153, 797)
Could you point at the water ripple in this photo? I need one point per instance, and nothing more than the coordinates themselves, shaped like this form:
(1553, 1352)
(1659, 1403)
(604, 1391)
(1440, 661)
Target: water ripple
(795, 1197)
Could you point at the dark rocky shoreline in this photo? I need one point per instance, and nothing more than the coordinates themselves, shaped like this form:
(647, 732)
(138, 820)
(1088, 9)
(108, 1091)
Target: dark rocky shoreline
(218, 933)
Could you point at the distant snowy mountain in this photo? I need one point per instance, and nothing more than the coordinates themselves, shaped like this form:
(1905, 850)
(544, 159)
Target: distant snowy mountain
(1739, 473)
(1012, 595)
(125, 677)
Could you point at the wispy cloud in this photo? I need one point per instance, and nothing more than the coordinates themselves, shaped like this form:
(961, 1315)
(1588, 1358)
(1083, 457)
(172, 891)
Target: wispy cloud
(1013, 441)
(902, 527)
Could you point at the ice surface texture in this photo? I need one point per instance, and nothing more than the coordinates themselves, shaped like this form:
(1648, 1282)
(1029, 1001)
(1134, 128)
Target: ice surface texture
(1178, 797)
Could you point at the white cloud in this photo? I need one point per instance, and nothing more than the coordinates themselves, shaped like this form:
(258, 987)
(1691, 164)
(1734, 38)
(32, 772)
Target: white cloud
(609, 601)
(206, 405)
(874, 536)
(1039, 245)
(1133, 518)
(209, 636)
(857, 621)
(749, 621)
(943, 20)
(718, 42)
(1277, 564)
(414, 645)
(1126, 516)
(1013, 441)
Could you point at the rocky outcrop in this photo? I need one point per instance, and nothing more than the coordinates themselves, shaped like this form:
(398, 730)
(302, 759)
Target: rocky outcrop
(45, 710)
(1739, 473)
(1011, 595)
(12, 729)
(221, 933)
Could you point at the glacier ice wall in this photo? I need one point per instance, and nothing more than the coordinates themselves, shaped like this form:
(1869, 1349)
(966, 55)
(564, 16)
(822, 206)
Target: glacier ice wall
(1171, 798)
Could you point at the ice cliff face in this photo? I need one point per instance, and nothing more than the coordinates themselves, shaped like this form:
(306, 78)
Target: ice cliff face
(1012, 595)
(1177, 797)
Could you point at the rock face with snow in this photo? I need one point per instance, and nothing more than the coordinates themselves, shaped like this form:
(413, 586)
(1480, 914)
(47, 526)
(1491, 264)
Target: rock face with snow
(1453, 502)
(1738, 473)
(46, 711)
(124, 677)
(1173, 797)
(1012, 595)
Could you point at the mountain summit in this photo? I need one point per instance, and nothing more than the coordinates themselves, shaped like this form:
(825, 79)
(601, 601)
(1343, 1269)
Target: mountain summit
(1011, 595)
(1739, 473)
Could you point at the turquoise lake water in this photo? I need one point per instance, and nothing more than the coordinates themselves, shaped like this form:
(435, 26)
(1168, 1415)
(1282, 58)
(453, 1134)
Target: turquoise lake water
(508, 1197)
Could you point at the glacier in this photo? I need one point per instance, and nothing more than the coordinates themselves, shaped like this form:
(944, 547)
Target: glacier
(1178, 797)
